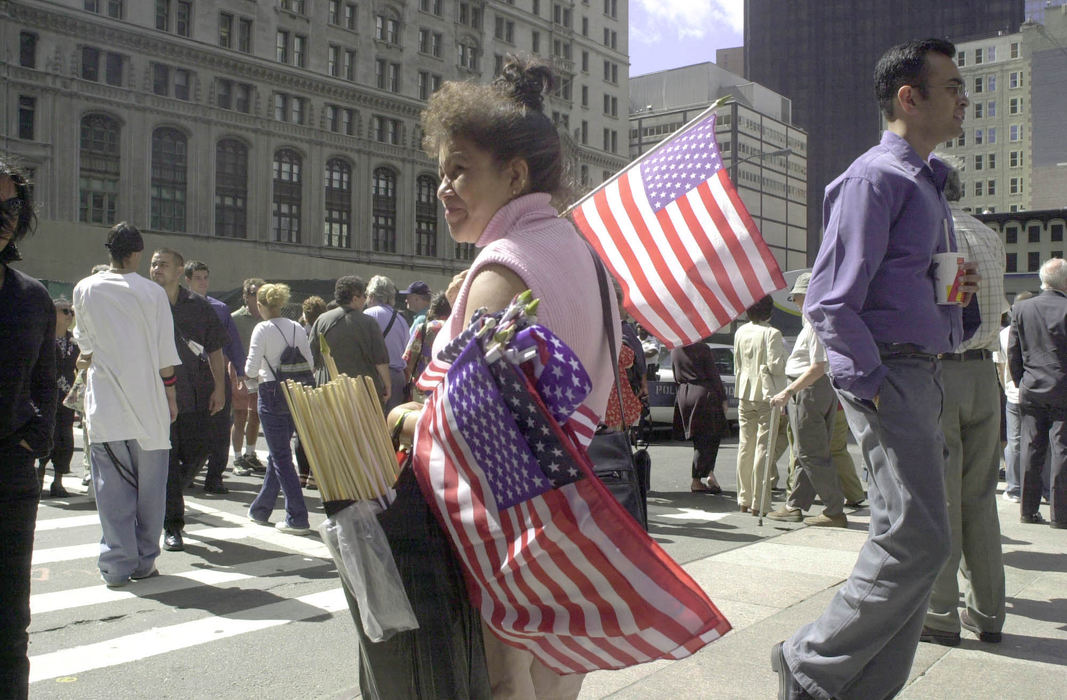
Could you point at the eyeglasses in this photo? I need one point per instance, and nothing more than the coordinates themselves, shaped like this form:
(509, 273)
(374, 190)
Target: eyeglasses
(959, 88)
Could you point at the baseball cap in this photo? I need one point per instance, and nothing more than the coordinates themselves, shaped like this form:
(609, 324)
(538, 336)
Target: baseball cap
(801, 285)
(418, 287)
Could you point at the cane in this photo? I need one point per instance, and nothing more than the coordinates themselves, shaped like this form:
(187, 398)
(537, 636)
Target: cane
(765, 468)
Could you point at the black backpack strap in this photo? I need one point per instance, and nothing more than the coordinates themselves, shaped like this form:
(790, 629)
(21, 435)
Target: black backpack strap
(389, 327)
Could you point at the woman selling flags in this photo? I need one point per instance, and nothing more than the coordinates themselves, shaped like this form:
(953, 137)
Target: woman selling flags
(498, 453)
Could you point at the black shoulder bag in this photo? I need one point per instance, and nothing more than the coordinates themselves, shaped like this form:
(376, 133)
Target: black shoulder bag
(610, 450)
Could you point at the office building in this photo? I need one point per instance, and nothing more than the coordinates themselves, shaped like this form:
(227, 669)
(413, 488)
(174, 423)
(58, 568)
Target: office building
(821, 55)
(277, 138)
(765, 153)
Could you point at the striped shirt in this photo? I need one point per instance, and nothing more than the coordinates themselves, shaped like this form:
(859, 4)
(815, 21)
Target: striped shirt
(982, 245)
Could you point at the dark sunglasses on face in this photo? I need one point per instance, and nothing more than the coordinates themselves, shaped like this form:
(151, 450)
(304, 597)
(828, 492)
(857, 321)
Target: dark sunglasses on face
(67, 312)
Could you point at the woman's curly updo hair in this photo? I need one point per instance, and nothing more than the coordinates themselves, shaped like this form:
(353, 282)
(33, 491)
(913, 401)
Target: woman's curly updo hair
(505, 118)
(273, 296)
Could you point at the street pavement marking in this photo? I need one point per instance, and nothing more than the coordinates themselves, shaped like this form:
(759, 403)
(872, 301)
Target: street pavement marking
(160, 640)
(62, 523)
(694, 514)
(167, 583)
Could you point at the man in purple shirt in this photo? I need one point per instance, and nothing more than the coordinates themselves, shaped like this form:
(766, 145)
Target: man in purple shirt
(381, 295)
(872, 304)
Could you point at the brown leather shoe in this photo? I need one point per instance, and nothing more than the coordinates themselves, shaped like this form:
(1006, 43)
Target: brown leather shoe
(824, 520)
(787, 515)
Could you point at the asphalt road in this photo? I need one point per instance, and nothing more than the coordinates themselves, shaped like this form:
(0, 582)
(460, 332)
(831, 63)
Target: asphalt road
(247, 612)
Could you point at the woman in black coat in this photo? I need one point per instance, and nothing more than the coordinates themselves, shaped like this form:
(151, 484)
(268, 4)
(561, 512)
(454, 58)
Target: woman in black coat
(699, 411)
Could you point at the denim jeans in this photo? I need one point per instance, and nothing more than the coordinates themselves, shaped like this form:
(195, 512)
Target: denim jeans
(278, 430)
(19, 492)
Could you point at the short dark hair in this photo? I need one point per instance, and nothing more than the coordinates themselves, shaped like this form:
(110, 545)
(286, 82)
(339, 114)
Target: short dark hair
(195, 266)
(179, 259)
(123, 240)
(505, 118)
(761, 310)
(21, 211)
(251, 283)
(905, 64)
(439, 307)
(347, 287)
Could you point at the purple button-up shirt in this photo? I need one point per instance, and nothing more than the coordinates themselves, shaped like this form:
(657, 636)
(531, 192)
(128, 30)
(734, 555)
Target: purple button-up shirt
(397, 340)
(884, 219)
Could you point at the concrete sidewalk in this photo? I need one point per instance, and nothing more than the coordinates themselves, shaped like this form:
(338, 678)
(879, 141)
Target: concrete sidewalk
(771, 587)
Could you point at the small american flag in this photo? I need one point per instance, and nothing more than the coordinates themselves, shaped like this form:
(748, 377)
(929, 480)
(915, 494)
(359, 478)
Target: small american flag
(674, 232)
(552, 561)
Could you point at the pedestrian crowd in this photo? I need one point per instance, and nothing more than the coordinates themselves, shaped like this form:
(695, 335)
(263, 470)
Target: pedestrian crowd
(170, 383)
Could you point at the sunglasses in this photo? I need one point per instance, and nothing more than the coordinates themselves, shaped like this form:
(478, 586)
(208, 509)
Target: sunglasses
(67, 312)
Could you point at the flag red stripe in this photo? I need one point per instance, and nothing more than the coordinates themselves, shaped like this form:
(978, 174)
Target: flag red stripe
(718, 268)
(765, 250)
(634, 270)
(680, 299)
(702, 283)
(729, 236)
(591, 235)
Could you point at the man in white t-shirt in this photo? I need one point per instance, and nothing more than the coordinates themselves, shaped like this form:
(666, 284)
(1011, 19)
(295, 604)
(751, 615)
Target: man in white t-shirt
(812, 410)
(126, 336)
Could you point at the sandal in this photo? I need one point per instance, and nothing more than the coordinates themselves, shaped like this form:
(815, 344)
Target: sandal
(713, 490)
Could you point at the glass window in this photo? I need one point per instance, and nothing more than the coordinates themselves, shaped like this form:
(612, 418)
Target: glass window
(183, 18)
(1056, 232)
(991, 83)
(99, 169)
(383, 228)
(978, 162)
(1033, 262)
(426, 216)
(168, 179)
(281, 47)
(1011, 262)
(163, 15)
(225, 30)
(1014, 49)
(27, 50)
(338, 225)
(299, 50)
(90, 63)
(1011, 235)
(160, 79)
(231, 189)
(286, 200)
(27, 117)
(1033, 234)
(991, 108)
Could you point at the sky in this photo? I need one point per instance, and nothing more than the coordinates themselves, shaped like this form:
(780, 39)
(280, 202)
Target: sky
(671, 33)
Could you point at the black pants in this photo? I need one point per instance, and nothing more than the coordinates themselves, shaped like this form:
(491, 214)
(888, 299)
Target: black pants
(190, 441)
(218, 451)
(1042, 428)
(705, 451)
(19, 492)
(62, 443)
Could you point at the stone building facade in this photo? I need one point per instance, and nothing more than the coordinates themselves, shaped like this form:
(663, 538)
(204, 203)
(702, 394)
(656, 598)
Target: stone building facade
(279, 139)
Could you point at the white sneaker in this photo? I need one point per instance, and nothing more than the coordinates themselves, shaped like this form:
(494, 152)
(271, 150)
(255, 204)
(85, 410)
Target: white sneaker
(1009, 497)
(290, 530)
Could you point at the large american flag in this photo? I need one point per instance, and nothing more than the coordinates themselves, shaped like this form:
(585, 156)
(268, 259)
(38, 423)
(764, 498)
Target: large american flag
(552, 561)
(678, 238)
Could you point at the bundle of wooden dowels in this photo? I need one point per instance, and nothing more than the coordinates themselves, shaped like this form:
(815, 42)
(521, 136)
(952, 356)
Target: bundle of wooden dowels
(344, 435)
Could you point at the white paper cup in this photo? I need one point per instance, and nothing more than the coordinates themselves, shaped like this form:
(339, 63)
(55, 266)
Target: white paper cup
(948, 275)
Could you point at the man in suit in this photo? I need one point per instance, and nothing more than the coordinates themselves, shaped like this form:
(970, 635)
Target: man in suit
(1037, 358)
(759, 371)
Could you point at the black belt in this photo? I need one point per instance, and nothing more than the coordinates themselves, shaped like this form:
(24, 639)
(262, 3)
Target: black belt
(904, 350)
(967, 355)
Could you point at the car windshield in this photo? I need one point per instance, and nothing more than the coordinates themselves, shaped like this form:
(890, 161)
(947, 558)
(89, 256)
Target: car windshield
(724, 360)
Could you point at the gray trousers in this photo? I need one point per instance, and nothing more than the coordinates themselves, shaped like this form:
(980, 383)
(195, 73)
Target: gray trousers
(863, 644)
(971, 423)
(811, 416)
(131, 514)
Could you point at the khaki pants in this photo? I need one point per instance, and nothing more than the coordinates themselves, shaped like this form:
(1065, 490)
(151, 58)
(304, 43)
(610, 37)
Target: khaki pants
(754, 426)
(516, 674)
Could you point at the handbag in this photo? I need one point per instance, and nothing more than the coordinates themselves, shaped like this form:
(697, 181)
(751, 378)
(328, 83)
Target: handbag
(610, 450)
(75, 398)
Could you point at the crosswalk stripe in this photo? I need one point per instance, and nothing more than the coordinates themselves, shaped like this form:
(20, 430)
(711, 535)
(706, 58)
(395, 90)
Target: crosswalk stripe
(63, 523)
(167, 583)
(160, 640)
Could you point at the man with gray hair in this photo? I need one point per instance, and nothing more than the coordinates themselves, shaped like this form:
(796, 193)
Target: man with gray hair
(970, 420)
(1037, 358)
(381, 295)
(354, 338)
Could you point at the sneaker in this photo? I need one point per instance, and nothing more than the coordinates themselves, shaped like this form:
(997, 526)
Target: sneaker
(141, 577)
(290, 530)
(241, 467)
(87, 478)
(823, 520)
(788, 686)
(1011, 497)
(114, 584)
(253, 462)
(787, 515)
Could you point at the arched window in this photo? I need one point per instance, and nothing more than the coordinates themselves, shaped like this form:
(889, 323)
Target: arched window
(384, 205)
(426, 216)
(98, 178)
(286, 201)
(231, 189)
(338, 232)
(168, 179)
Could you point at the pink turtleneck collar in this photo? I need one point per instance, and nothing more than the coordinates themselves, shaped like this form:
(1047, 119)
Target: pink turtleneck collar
(526, 211)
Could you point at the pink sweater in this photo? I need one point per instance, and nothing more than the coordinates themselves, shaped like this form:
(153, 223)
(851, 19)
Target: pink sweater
(528, 237)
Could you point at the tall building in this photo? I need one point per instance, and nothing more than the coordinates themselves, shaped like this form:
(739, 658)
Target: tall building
(277, 138)
(765, 153)
(1014, 145)
(821, 55)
